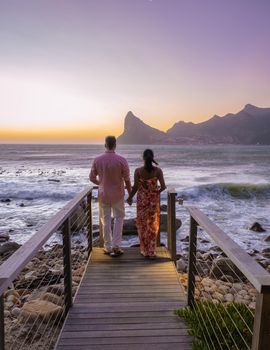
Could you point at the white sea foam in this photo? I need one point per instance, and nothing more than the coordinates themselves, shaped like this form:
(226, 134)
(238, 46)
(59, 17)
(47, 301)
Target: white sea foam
(230, 183)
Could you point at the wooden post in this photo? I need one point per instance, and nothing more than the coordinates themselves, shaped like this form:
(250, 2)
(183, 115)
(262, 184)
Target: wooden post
(168, 222)
(67, 264)
(172, 225)
(89, 224)
(261, 327)
(2, 324)
(192, 261)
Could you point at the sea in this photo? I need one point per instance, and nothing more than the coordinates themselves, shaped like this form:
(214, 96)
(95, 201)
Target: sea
(231, 184)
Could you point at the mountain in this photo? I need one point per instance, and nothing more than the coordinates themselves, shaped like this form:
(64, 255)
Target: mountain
(137, 132)
(251, 125)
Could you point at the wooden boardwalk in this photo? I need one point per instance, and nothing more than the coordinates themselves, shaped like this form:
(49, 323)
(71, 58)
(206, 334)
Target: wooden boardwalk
(127, 303)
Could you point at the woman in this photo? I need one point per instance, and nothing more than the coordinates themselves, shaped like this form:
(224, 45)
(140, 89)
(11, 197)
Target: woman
(148, 184)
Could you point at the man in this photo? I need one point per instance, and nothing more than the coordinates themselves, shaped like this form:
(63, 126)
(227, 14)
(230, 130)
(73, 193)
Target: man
(110, 172)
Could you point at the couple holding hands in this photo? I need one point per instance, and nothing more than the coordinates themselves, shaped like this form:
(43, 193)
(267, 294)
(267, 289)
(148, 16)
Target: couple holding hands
(110, 172)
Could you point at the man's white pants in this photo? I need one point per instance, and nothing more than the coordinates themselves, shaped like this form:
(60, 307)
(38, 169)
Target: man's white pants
(112, 239)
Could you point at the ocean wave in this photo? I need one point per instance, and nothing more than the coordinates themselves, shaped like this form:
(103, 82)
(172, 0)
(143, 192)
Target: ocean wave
(223, 190)
(37, 194)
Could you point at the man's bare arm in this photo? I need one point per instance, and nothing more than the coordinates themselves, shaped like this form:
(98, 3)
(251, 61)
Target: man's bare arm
(128, 187)
(93, 179)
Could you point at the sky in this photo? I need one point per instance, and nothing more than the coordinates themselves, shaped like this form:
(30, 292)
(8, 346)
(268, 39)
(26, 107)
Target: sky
(70, 70)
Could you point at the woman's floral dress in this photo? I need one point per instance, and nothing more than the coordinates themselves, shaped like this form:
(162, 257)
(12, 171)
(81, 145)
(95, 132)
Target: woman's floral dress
(148, 214)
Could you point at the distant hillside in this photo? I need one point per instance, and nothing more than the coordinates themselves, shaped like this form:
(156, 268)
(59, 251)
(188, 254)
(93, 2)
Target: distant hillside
(137, 132)
(249, 126)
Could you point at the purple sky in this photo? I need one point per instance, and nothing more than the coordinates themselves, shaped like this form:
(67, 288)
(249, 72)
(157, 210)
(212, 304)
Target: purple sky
(88, 62)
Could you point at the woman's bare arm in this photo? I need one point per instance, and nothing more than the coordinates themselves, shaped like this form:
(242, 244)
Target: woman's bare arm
(135, 186)
(161, 180)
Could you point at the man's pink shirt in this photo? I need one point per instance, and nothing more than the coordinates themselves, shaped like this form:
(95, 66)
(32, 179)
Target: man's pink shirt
(112, 170)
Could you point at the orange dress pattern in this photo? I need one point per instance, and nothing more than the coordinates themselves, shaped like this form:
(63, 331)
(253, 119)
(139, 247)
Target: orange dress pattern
(148, 214)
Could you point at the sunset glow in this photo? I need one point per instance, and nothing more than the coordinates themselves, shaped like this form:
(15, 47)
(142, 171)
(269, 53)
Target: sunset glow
(71, 70)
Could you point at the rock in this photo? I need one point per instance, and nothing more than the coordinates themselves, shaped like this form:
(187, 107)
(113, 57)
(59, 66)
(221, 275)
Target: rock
(11, 292)
(218, 296)
(15, 311)
(267, 239)
(163, 208)
(5, 200)
(6, 313)
(53, 298)
(57, 289)
(4, 237)
(185, 239)
(29, 276)
(9, 247)
(53, 180)
(13, 299)
(229, 297)
(181, 265)
(257, 227)
(265, 250)
(21, 205)
(163, 223)
(203, 240)
(42, 309)
(79, 271)
(236, 287)
(224, 266)
(130, 228)
(227, 278)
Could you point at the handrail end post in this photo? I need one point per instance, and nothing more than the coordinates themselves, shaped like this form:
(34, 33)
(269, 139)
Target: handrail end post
(67, 264)
(2, 323)
(261, 327)
(89, 224)
(192, 261)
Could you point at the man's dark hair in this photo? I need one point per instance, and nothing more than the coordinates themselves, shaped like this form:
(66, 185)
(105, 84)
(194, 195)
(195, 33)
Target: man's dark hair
(110, 142)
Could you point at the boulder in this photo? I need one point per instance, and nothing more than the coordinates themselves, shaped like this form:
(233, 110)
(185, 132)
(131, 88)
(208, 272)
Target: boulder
(256, 227)
(53, 298)
(224, 266)
(163, 223)
(5, 200)
(9, 247)
(4, 237)
(39, 309)
(163, 208)
(57, 289)
(181, 265)
(267, 239)
(130, 228)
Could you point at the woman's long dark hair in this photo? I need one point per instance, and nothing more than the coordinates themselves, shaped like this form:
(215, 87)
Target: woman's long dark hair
(148, 157)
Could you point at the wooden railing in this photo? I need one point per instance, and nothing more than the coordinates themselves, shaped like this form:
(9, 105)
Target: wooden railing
(14, 265)
(254, 273)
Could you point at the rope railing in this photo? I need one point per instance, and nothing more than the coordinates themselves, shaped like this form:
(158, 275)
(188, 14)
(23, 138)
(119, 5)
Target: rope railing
(228, 294)
(39, 281)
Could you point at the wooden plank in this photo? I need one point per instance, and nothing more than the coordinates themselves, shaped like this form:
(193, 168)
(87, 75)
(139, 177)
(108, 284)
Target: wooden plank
(133, 314)
(124, 333)
(127, 303)
(173, 346)
(125, 326)
(126, 340)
